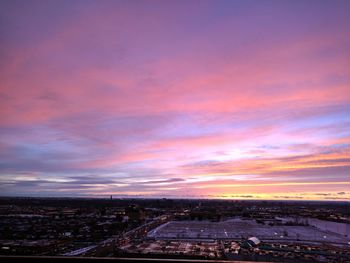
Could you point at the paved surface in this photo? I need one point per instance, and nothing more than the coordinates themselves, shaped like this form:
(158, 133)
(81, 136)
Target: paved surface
(237, 229)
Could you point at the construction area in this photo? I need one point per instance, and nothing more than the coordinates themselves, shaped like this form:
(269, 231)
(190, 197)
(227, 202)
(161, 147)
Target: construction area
(210, 250)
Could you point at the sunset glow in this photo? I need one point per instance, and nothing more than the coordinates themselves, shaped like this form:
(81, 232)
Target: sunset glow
(175, 99)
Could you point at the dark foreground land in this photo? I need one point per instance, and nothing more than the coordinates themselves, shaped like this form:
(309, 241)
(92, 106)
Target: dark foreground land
(173, 229)
(31, 259)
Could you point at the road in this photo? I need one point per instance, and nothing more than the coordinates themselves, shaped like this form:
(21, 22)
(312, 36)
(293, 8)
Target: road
(107, 246)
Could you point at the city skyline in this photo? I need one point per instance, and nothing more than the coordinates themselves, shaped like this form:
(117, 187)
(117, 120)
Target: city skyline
(179, 99)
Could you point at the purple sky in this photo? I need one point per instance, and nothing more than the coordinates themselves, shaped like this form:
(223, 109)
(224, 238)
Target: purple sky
(209, 99)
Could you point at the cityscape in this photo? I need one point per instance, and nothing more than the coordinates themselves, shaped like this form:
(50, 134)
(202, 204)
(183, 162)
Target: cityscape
(176, 131)
(268, 231)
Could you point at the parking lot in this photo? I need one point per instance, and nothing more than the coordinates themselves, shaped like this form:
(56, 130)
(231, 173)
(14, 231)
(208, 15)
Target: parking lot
(242, 229)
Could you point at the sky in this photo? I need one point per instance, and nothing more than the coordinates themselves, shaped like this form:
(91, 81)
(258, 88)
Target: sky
(175, 99)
